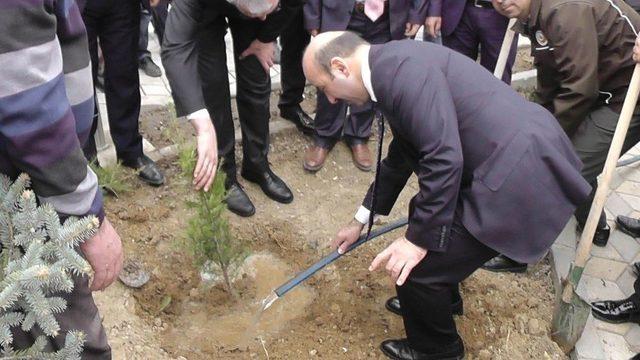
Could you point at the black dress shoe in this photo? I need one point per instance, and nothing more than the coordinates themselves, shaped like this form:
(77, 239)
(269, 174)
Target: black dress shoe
(502, 263)
(401, 350)
(393, 305)
(147, 169)
(295, 114)
(238, 202)
(150, 68)
(628, 225)
(617, 311)
(270, 184)
(601, 237)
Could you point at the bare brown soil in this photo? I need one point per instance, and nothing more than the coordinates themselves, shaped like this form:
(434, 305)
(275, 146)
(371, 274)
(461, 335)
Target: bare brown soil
(338, 314)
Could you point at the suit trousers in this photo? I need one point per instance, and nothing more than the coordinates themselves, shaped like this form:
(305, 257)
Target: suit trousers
(294, 39)
(116, 23)
(253, 91)
(81, 314)
(331, 120)
(427, 295)
(591, 141)
(158, 16)
(482, 28)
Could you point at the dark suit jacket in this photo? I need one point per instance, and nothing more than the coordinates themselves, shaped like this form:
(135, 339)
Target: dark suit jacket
(451, 12)
(477, 147)
(334, 15)
(179, 50)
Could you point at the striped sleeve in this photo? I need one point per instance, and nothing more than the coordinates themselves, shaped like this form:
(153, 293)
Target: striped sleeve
(45, 95)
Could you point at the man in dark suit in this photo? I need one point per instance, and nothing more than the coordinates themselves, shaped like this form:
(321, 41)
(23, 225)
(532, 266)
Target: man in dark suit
(471, 27)
(396, 19)
(194, 57)
(495, 173)
(116, 24)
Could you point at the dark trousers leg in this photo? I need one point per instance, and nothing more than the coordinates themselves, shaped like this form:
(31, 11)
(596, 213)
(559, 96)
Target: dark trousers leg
(212, 66)
(484, 29)
(159, 18)
(117, 24)
(492, 27)
(464, 38)
(89, 148)
(591, 141)
(143, 41)
(427, 296)
(294, 40)
(92, 24)
(254, 90)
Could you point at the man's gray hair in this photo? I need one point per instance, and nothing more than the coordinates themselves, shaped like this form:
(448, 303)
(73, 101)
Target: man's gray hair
(343, 45)
(253, 6)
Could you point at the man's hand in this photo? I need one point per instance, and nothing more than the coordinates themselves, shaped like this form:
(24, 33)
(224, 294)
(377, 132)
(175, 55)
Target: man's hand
(207, 146)
(347, 236)
(636, 50)
(432, 25)
(265, 52)
(154, 3)
(401, 256)
(314, 32)
(104, 253)
(410, 30)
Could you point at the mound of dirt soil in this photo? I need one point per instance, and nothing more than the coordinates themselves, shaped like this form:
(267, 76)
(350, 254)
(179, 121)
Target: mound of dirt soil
(339, 313)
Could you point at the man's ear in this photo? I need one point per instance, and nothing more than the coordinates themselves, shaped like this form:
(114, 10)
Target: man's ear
(339, 67)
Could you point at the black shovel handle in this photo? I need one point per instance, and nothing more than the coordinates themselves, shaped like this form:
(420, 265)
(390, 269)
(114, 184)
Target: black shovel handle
(283, 289)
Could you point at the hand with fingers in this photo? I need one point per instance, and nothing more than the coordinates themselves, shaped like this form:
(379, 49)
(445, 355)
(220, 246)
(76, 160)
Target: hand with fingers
(207, 147)
(401, 257)
(432, 26)
(347, 236)
(410, 30)
(265, 52)
(104, 253)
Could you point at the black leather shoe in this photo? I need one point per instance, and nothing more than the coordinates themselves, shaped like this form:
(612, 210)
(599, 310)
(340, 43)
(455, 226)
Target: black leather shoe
(147, 169)
(295, 114)
(628, 225)
(393, 305)
(601, 237)
(238, 202)
(502, 263)
(401, 350)
(150, 68)
(616, 311)
(270, 184)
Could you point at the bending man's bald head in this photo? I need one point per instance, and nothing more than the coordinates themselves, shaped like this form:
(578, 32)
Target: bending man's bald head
(329, 45)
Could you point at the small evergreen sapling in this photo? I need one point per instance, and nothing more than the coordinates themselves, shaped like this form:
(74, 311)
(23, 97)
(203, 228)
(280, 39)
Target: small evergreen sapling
(209, 238)
(38, 259)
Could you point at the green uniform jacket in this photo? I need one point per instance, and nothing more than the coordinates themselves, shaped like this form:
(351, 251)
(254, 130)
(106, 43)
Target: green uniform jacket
(582, 50)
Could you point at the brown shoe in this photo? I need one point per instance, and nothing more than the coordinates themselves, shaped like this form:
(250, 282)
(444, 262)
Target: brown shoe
(361, 156)
(314, 158)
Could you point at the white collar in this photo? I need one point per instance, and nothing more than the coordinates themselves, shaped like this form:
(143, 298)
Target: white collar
(365, 72)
